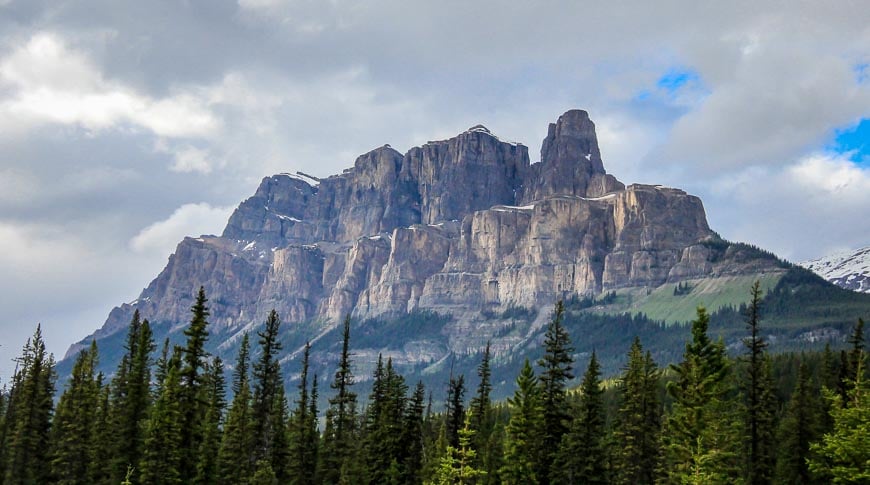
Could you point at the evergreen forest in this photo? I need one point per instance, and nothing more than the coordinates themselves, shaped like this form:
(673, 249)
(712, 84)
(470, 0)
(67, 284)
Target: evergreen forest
(176, 414)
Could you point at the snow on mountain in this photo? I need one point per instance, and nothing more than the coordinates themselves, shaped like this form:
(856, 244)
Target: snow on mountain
(849, 269)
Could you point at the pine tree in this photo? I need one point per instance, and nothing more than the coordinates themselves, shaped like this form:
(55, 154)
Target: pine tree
(192, 376)
(455, 409)
(73, 430)
(525, 437)
(413, 436)
(843, 455)
(163, 455)
(384, 424)
(302, 466)
(582, 454)
(760, 402)
(482, 421)
(29, 416)
(799, 427)
(99, 463)
(480, 404)
(267, 385)
(699, 435)
(130, 398)
(638, 424)
(235, 458)
(214, 395)
(856, 348)
(280, 449)
(557, 364)
(340, 430)
(457, 466)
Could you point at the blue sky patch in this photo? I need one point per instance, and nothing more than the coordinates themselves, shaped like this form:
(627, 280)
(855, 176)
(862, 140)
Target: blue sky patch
(676, 78)
(855, 139)
(862, 73)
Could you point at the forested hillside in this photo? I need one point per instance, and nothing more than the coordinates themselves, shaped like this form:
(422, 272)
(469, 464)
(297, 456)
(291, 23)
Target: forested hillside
(167, 413)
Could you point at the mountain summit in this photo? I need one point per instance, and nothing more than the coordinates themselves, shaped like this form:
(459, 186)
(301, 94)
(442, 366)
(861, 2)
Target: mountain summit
(467, 228)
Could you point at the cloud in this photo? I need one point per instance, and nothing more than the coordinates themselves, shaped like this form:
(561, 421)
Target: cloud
(50, 83)
(160, 238)
(811, 207)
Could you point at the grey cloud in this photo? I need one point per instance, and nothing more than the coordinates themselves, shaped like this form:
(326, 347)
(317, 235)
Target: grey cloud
(309, 85)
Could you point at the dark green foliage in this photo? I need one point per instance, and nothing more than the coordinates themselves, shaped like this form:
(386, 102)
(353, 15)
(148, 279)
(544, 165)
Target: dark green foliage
(556, 366)
(304, 438)
(760, 404)
(842, 456)
(699, 437)
(267, 405)
(800, 426)
(638, 420)
(582, 456)
(235, 458)
(163, 455)
(524, 436)
(214, 395)
(28, 416)
(385, 420)
(191, 376)
(455, 413)
(102, 447)
(340, 430)
(413, 437)
(130, 398)
(73, 428)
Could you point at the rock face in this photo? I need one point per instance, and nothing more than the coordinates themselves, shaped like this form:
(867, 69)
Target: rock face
(461, 226)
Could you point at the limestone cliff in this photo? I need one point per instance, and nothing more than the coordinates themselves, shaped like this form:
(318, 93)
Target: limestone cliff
(465, 226)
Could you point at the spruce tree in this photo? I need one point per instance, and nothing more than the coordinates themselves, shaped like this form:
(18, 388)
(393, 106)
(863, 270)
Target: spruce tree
(235, 458)
(99, 463)
(799, 427)
(267, 385)
(73, 429)
(457, 466)
(455, 414)
(582, 454)
(856, 348)
(483, 422)
(192, 378)
(699, 436)
(556, 366)
(413, 436)
(638, 421)
(340, 430)
(163, 456)
(214, 395)
(842, 456)
(384, 423)
(302, 465)
(525, 436)
(130, 398)
(760, 402)
(29, 416)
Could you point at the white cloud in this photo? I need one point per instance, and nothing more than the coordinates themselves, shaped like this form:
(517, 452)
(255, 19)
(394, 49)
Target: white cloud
(191, 159)
(160, 238)
(47, 82)
(814, 206)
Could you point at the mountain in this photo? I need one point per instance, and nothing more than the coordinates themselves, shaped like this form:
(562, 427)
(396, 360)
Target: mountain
(456, 243)
(847, 269)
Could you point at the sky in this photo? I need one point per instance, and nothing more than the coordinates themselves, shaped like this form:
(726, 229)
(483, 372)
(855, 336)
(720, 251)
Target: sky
(126, 125)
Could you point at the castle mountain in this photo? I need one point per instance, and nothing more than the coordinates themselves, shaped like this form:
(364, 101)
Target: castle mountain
(467, 229)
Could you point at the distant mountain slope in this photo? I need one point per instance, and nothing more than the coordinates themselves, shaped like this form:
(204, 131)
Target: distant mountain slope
(847, 269)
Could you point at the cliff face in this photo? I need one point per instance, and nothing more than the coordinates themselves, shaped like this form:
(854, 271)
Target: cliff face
(460, 226)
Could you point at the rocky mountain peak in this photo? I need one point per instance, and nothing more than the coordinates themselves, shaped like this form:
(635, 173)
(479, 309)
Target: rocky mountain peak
(457, 226)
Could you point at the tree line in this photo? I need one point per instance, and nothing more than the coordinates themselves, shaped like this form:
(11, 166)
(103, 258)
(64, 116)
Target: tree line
(165, 419)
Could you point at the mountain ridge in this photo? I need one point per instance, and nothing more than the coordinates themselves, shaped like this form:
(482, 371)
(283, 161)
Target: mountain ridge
(847, 269)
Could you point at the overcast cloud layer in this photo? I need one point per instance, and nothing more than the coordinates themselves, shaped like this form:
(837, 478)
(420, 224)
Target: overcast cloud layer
(126, 125)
